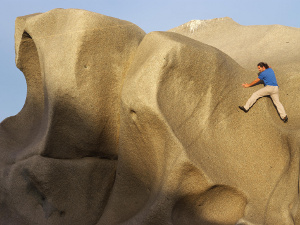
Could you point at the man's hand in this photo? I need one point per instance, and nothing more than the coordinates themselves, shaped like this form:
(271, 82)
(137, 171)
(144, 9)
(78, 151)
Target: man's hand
(245, 85)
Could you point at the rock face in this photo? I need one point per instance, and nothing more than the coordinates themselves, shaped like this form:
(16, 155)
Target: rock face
(275, 44)
(120, 127)
(59, 154)
(247, 45)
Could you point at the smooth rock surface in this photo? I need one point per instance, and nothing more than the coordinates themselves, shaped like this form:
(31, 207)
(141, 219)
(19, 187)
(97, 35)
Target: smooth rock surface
(248, 45)
(59, 154)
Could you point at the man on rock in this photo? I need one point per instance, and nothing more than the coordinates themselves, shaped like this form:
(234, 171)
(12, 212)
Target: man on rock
(267, 75)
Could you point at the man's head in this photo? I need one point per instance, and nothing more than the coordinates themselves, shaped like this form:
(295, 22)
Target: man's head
(262, 66)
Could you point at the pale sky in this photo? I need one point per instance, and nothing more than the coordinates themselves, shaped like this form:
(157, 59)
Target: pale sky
(150, 15)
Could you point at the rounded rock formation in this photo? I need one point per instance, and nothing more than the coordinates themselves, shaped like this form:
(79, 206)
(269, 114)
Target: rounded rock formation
(121, 127)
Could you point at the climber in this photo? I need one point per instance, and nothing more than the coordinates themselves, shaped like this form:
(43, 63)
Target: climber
(267, 75)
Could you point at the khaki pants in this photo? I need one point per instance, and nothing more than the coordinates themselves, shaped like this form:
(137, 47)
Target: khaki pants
(274, 94)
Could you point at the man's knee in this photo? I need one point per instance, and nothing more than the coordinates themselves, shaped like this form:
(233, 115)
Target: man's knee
(255, 96)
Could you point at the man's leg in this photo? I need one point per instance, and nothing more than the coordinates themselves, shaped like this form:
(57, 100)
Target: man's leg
(277, 103)
(256, 95)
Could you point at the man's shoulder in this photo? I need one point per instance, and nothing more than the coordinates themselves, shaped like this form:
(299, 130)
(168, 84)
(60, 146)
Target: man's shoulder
(261, 74)
(268, 71)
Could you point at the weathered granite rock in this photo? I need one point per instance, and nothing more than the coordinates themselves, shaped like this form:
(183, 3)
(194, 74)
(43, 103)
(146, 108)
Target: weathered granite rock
(275, 44)
(58, 155)
(187, 155)
(120, 127)
(248, 45)
(170, 106)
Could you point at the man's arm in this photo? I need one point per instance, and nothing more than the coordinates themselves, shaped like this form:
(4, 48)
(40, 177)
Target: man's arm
(252, 83)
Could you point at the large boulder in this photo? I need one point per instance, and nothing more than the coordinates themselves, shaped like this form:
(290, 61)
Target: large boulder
(59, 154)
(187, 154)
(275, 44)
(248, 45)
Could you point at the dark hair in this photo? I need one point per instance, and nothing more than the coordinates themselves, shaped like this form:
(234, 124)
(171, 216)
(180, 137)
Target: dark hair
(262, 64)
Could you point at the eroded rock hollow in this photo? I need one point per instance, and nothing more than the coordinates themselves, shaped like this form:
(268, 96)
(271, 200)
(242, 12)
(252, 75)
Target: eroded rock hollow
(121, 127)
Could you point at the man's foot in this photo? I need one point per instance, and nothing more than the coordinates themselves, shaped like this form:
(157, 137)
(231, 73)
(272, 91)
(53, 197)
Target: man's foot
(242, 108)
(285, 119)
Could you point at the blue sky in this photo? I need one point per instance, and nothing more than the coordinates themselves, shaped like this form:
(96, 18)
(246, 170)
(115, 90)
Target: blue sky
(150, 15)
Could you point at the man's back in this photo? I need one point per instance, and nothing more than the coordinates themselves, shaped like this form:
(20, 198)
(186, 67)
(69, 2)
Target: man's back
(268, 76)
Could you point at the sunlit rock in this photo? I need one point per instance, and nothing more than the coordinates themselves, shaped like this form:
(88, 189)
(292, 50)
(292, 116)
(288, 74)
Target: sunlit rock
(122, 127)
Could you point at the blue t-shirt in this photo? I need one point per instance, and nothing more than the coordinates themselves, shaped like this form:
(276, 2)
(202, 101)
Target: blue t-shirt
(268, 76)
